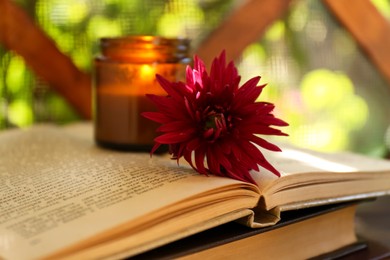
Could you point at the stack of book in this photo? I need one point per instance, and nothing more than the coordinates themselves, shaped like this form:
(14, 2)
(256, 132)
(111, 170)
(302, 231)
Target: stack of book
(61, 196)
(322, 232)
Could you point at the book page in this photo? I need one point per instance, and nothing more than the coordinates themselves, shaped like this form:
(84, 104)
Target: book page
(294, 160)
(307, 165)
(310, 178)
(57, 188)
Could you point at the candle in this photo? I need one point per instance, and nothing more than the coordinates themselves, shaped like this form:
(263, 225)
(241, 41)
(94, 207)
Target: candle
(124, 73)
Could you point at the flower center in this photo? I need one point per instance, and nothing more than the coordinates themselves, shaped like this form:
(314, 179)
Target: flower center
(215, 125)
(214, 120)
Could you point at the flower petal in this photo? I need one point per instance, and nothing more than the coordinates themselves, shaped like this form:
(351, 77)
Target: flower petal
(157, 117)
(177, 126)
(172, 138)
(199, 161)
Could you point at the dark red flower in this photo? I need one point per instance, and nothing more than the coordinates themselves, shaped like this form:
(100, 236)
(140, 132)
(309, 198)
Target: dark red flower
(213, 123)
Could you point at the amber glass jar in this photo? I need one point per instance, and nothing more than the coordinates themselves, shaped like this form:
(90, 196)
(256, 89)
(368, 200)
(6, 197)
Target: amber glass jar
(124, 72)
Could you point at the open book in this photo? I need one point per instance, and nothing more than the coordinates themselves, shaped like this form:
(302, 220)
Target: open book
(61, 196)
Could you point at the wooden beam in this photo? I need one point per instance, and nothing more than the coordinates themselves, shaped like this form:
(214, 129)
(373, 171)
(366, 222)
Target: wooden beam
(19, 33)
(369, 28)
(245, 25)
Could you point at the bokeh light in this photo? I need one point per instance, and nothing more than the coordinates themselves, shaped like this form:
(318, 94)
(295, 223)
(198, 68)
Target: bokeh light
(317, 76)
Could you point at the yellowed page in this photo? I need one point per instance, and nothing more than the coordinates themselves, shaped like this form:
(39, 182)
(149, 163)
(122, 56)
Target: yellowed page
(297, 161)
(310, 178)
(57, 188)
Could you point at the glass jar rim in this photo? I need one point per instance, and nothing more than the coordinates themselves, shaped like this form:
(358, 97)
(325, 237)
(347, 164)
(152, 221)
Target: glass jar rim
(143, 40)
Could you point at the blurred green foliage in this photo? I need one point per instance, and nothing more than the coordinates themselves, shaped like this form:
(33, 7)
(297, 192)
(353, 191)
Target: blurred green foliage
(322, 84)
(76, 26)
(320, 81)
